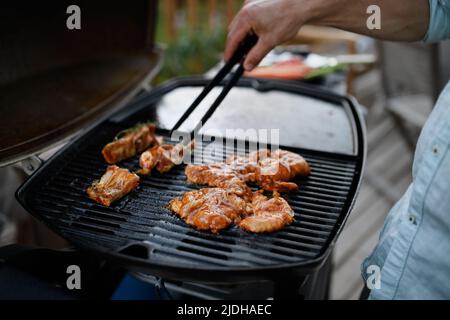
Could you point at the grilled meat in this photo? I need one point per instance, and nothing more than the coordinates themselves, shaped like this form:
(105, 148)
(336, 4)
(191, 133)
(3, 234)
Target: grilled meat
(215, 209)
(246, 166)
(210, 174)
(237, 187)
(133, 141)
(211, 209)
(274, 173)
(218, 175)
(269, 215)
(163, 157)
(271, 171)
(296, 163)
(214, 174)
(113, 185)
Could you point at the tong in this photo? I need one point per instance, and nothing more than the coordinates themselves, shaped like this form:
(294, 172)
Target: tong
(238, 57)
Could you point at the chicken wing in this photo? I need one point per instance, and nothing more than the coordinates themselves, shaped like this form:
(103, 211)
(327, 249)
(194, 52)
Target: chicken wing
(133, 141)
(269, 215)
(113, 185)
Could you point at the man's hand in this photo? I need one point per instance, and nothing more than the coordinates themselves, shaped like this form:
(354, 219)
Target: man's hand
(277, 21)
(273, 21)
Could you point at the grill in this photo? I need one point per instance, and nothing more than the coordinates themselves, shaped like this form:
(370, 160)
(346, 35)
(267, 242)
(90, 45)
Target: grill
(142, 234)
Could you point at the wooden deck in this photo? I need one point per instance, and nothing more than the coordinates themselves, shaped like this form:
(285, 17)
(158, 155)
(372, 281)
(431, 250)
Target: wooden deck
(388, 168)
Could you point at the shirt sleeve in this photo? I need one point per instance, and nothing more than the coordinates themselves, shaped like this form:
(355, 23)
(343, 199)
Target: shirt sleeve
(439, 27)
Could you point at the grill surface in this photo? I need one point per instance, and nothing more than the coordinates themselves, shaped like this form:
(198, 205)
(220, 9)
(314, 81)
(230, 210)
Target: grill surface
(141, 232)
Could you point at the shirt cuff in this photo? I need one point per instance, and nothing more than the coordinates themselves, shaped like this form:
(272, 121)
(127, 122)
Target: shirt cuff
(439, 26)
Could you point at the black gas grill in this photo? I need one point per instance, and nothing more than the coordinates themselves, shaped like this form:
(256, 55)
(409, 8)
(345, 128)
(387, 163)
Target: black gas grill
(140, 233)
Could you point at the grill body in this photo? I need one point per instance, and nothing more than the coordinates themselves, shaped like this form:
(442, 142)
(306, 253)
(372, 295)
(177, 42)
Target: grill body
(140, 233)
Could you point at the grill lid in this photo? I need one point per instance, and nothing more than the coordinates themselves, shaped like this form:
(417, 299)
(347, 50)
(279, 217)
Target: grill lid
(55, 81)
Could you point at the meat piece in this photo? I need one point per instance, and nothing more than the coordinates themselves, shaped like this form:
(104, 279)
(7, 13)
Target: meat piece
(271, 171)
(133, 141)
(271, 175)
(246, 166)
(209, 174)
(159, 157)
(211, 209)
(274, 173)
(163, 158)
(259, 155)
(237, 187)
(297, 164)
(269, 215)
(231, 199)
(113, 185)
(218, 175)
(242, 167)
(214, 174)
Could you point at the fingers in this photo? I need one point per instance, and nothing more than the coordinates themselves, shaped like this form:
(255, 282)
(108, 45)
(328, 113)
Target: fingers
(257, 53)
(238, 31)
(245, 23)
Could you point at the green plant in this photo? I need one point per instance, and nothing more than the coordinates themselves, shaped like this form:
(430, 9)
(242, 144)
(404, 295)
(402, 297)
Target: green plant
(192, 53)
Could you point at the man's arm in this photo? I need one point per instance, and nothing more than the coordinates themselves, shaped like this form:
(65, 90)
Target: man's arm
(277, 21)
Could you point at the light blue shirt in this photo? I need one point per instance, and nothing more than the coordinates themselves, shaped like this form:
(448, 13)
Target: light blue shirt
(413, 253)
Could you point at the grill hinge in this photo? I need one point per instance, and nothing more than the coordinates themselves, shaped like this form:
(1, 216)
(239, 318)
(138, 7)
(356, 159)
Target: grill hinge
(31, 164)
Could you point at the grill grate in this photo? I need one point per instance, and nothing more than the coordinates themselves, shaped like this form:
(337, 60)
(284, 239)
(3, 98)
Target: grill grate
(140, 233)
(57, 196)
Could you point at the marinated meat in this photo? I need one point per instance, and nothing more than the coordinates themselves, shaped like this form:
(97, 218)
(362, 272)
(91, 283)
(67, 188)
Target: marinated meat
(271, 171)
(163, 158)
(211, 209)
(218, 175)
(232, 201)
(269, 215)
(130, 142)
(113, 185)
(274, 173)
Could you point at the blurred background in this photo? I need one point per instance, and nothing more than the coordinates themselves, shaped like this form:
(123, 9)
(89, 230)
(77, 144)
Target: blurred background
(396, 84)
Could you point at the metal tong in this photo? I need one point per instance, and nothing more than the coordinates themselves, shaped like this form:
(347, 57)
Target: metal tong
(238, 57)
